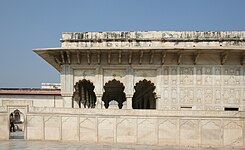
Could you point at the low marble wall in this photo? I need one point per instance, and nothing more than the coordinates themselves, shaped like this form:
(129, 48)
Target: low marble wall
(153, 127)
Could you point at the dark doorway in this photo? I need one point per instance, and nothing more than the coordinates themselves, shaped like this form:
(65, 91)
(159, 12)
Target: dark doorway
(114, 91)
(84, 94)
(16, 125)
(144, 96)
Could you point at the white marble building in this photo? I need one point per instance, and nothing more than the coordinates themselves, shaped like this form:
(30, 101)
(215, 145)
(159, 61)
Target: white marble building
(190, 70)
(155, 87)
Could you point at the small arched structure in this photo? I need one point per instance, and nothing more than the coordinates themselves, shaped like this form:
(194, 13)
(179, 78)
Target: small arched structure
(84, 94)
(114, 91)
(17, 124)
(144, 96)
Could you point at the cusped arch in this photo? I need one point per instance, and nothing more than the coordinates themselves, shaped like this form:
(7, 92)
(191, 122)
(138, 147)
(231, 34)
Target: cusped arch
(114, 90)
(144, 96)
(17, 123)
(84, 94)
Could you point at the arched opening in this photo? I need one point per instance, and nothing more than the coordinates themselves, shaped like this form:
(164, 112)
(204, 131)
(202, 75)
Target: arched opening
(114, 91)
(16, 124)
(84, 94)
(144, 96)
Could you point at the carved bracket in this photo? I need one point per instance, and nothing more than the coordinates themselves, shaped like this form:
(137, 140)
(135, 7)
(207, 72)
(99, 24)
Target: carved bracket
(164, 54)
(120, 57)
(62, 57)
(179, 55)
(78, 57)
(223, 57)
(88, 56)
(98, 57)
(109, 57)
(151, 56)
(130, 57)
(57, 60)
(68, 57)
(141, 56)
(242, 61)
(195, 57)
(65, 57)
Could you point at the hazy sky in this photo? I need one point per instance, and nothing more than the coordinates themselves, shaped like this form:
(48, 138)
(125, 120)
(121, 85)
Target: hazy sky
(28, 24)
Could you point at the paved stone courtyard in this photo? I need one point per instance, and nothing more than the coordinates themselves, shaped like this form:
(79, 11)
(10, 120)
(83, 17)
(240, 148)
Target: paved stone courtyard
(17, 135)
(48, 145)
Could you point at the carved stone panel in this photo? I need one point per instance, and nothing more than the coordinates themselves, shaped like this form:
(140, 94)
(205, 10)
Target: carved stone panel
(70, 128)
(233, 133)
(34, 127)
(126, 130)
(80, 74)
(186, 75)
(186, 95)
(147, 131)
(217, 74)
(199, 95)
(166, 75)
(52, 125)
(88, 130)
(217, 95)
(231, 95)
(174, 96)
(232, 75)
(199, 73)
(117, 74)
(148, 74)
(168, 133)
(173, 76)
(211, 133)
(106, 130)
(208, 76)
(189, 132)
(165, 96)
(208, 95)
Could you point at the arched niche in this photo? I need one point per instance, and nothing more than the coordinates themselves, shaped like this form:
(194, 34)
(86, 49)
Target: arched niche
(84, 94)
(114, 90)
(144, 96)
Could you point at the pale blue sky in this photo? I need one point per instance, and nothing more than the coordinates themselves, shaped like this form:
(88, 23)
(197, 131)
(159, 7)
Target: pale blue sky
(29, 24)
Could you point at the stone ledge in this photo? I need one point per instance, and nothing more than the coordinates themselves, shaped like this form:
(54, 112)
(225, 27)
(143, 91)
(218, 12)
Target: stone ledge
(139, 113)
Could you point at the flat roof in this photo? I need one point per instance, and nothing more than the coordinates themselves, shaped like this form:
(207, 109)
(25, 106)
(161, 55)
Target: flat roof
(29, 91)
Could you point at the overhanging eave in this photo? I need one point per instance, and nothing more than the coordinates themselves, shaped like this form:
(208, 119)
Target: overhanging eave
(49, 54)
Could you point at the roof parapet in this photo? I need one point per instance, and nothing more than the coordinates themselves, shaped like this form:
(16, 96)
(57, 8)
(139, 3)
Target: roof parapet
(153, 36)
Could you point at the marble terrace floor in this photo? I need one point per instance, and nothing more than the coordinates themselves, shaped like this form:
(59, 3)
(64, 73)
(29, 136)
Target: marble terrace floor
(15, 144)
